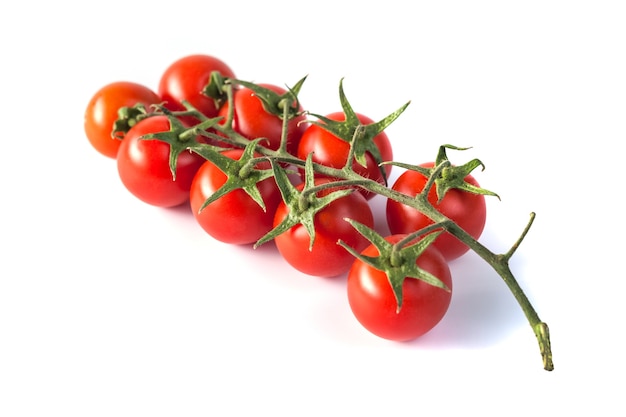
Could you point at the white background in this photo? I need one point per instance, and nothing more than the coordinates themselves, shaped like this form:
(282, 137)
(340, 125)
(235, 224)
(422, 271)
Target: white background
(109, 307)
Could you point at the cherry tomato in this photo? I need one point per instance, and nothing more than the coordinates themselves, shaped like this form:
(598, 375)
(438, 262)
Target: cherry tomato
(143, 166)
(102, 112)
(332, 151)
(235, 217)
(374, 305)
(252, 121)
(327, 258)
(466, 209)
(185, 79)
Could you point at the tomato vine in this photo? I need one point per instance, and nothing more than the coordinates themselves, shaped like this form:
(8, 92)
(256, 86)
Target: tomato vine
(398, 259)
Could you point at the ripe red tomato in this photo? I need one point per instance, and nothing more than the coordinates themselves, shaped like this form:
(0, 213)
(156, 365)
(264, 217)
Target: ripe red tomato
(102, 112)
(252, 121)
(143, 166)
(185, 79)
(374, 305)
(466, 209)
(332, 151)
(327, 258)
(235, 217)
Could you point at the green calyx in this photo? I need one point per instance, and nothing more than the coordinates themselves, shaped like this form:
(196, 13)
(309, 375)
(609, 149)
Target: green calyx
(216, 89)
(447, 176)
(302, 205)
(361, 137)
(127, 117)
(285, 106)
(397, 260)
(178, 137)
(241, 174)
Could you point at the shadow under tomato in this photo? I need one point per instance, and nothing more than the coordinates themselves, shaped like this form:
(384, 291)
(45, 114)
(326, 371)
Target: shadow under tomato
(180, 210)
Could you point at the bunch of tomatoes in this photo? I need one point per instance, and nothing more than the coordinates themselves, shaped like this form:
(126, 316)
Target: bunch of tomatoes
(255, 166)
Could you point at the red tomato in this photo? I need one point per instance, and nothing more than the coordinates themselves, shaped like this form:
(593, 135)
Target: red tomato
(102, 112)
(185, 79)
(374, 305)
(143, 166)
(327, 258)
(252, 121)
(235, 217)
(332, 151)
(466, 209)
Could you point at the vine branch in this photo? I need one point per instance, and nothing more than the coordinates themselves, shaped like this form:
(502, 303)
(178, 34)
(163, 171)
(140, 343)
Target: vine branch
(346, 176)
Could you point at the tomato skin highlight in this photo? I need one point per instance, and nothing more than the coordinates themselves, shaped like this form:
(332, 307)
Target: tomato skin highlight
(102, 112)
(327, 258)
(332, 151)
(373, 303)
(252, 121)
(235, 217)
(143, 166)
(185, 79)
(468, 210)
